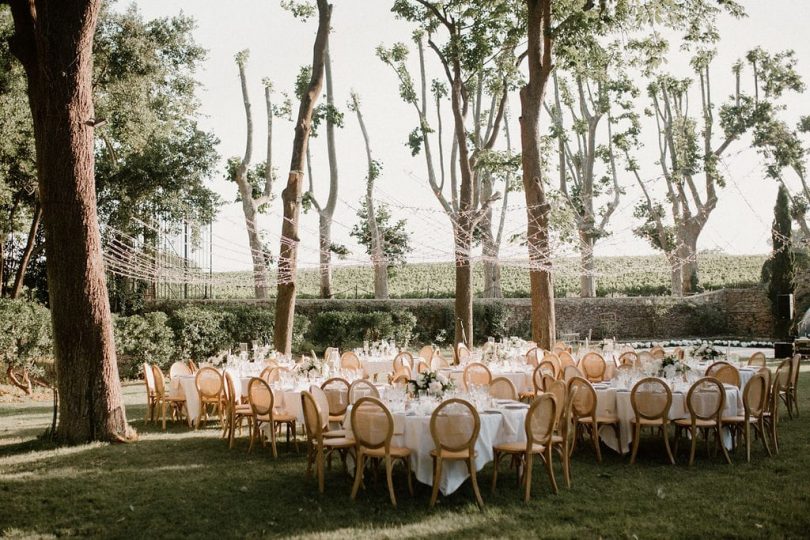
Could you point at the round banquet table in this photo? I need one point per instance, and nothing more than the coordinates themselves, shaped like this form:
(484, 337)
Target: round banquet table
(615, 402)
(521, 378)
(186, 386)
(412, 430)
(377, 368)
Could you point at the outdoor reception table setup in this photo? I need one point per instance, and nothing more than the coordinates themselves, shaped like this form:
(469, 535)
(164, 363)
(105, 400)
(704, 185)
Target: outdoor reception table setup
(502, 421)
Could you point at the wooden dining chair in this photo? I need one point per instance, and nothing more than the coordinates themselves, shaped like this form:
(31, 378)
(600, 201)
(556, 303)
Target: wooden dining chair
(318, 446)
(235, 411)
(149, 383)
(755, 400)
(209, 387)
(403, 360)
(792, 389)
(422, 366)
(593, 366)
(777, 389)
(757, 359)
(373, 428)
(179, 369)
(562, 441)
(651, 400)
(362, 388)
(323, 410)
(426, 353)
(454, 427)
(350, 361)
(532, 358)
(714, 367)
(705, 401)
(463, 354)
(565, 359)
(539, 426)
(658, 352)
(262, 405)
(476, 374)
(337, 392)
(549, 368)
(727, 374)
(192, 367)
(571, 372)
(437, 362)
(503, 388)
(165, 399)
(584, 416)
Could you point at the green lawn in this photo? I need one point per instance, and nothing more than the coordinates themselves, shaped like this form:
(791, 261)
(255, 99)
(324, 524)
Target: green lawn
(188, 484)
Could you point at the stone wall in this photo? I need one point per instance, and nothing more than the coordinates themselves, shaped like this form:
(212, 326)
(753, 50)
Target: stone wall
(744, 313)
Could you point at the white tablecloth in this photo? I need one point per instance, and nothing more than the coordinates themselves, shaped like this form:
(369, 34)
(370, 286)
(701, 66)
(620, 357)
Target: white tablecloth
(522, 379)
(185, 385)
(376, 368)
(613, 402)
(413, 431)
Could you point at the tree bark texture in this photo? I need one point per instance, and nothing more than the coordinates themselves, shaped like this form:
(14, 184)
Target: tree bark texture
(291, 196)
(537, 208)
(587, 278)
(328, 211)
(54, 41)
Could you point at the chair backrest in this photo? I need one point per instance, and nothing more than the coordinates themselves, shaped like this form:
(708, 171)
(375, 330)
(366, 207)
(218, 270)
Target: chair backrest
(678, 352)
(192, 366)
(794, 370)
(372, 423)
(403, 359)
(476, 374)
(426, 353)
(564, 425)
(437, 361)
(266, 372)
(706, 399)
(651, 399)
(503, 388)
(454, 426)
(362, 388)
(755, 395)
(658, 352)
(550, 368)
(337, 392)
(312, 418)
(179, 368)
(728, 374)
(158, 382)
(228, 388)
(593, 366)
(400, 378)
(323, 404)
(274, 374)
(644, 357)
(558, 390)
(532, 357)
(585, 401)
(327, 354)
(713, 368)
(422, 366)
(570, 372)
(148, 378)
(541, 420)
(628, 358)
(553, 359)
(537, 380)
(565, 359)
(260, 397)
(463, 353)
(349, 360)
(757, 359)
(209, 383)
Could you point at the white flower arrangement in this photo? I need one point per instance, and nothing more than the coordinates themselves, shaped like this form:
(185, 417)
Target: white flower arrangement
(430, 382)
(671, 365)
(311, 366)
(704, 351)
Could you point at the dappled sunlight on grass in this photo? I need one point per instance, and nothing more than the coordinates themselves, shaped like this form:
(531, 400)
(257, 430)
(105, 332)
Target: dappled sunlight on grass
(187, 483)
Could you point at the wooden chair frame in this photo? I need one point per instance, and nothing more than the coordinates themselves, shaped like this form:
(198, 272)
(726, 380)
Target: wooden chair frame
(464, 452)
(659, 420)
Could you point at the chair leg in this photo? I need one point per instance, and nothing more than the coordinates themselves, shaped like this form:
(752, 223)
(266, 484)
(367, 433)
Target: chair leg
(272, 441)
(595, 440)
(474, 478)
(763, 436)
(636, 437)
(319, 466)
(747, 434)
(495, 462)
(566, 464)
(718, 429)
(358, 473)
(665, 433)
(527, 473)
(389, 479)
(437, 476)
(550, 471)
(694, 433)
(406, 461)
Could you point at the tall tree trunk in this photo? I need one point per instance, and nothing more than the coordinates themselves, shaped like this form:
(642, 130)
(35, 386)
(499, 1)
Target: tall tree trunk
(587, 279)
(291, 196)
(54, 41)
(2, 263)
(489, 247)
(689, 261)
(29, 249)
(537, 208)
(675, 274)
(464, 299)
(328, 211)
(377, 251)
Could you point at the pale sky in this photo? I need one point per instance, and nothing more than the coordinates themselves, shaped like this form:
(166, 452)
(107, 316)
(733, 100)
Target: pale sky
(280, 44)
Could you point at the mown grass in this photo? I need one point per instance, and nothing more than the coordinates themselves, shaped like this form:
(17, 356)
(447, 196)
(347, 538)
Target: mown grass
(186, 484)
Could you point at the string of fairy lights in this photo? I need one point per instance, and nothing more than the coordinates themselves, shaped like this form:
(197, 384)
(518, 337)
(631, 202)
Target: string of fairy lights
(186, 258)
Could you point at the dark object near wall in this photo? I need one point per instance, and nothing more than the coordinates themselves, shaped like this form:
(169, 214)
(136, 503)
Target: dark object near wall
(784, 306)
(782, 349)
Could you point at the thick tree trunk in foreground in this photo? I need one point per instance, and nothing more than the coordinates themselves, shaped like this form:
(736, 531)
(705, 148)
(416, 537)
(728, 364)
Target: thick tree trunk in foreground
(54, 41)
(587, 278)
(690, 263)
(464, 297)
(537, 208)
(29, 249)
(328, 211)
(291, 196)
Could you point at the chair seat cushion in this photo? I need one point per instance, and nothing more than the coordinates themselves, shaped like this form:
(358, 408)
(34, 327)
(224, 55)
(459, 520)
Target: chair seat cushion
(647, 422)
(337, 418)
(243, 409)
(448, 454)
(336, 433)
(518, 447)
(380, 452)
(739, 419)
(599, 420)
(339, 442)
(284, 417)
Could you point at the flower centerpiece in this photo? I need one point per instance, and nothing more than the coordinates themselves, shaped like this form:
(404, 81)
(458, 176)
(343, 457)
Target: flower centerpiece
(704, 351)
(312, 366)
(430, 383)
(671, 366)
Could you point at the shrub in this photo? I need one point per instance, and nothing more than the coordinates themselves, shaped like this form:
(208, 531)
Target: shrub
(706, 320)
(143, 338)
(25, 334)
(200, 333)
(349, 329)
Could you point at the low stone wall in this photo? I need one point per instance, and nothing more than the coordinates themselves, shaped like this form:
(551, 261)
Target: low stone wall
(744, 313)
